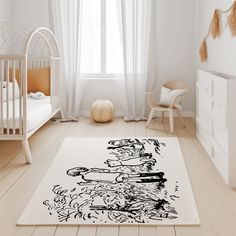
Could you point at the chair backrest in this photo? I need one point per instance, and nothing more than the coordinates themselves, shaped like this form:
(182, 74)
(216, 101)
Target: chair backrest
(178, 84)
(175, 85)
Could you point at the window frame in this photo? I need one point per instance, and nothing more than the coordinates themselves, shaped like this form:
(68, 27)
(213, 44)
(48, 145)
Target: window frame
(103, 64)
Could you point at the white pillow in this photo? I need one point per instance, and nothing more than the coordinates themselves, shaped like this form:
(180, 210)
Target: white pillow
(37, 95)
(3, 88)
(168, 95)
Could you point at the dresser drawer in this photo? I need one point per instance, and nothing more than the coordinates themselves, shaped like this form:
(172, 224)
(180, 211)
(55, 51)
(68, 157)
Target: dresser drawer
(204, 99)
(220, 161)
(204, 118)
(220, 135)
(205, 81)
(204, 137)
(219, 115)
(220, 89)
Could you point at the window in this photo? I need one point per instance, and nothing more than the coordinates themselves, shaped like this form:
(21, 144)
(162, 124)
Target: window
(101, 44)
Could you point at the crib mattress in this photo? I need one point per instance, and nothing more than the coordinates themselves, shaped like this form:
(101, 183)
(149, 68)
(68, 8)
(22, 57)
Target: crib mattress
(37, 111)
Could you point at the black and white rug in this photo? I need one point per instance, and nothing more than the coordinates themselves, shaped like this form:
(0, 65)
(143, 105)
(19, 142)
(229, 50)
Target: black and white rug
(114, 181)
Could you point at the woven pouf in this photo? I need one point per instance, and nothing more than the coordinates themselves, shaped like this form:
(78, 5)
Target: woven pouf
(102, 111)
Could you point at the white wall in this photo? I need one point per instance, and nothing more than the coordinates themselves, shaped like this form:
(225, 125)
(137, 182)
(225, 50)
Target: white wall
(30, 13)
(94, 89)
(222, 51)
(176, 46)
(5, 10)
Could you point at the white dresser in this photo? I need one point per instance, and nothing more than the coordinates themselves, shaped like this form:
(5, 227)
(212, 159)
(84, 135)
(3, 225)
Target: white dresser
(216, 121)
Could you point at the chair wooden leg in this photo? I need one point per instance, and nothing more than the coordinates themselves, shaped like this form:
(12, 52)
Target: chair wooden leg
(162, 116)
(180, 117)
(171, 119)
(150, 117)
(61, 114)
(28, 157)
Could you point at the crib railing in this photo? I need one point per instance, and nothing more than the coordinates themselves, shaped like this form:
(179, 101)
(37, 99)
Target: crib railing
(54, 65)
(13, 92)
(12, 97)
(38, 63)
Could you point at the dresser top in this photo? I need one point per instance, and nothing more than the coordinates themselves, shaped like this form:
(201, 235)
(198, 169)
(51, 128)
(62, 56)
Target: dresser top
(222, 75)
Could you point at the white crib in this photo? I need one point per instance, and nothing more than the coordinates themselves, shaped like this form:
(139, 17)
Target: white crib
(28, 58)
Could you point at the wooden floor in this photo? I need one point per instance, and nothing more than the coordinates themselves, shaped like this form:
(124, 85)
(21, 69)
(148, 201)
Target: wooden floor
(18, 181)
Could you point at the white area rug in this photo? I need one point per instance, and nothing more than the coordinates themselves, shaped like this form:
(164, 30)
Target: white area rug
(114, 181)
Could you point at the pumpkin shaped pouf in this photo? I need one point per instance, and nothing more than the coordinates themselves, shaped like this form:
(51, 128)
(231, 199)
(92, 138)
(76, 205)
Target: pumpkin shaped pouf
(102, 111)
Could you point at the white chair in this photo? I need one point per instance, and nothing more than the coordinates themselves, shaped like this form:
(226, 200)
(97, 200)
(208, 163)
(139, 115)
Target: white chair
(175, 105)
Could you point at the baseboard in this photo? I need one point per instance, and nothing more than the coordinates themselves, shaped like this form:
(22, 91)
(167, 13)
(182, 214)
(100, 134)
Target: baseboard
(189, 114)
(120, 114)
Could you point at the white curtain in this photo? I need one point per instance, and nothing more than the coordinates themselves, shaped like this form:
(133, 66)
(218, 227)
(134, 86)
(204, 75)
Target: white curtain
(138, 34)
(139, 49)
(66, 22)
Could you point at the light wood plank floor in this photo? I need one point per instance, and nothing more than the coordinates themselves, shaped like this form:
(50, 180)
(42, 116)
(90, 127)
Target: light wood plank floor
(18, 181)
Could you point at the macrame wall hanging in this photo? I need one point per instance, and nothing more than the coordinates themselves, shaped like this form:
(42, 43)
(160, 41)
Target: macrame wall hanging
(215, 28)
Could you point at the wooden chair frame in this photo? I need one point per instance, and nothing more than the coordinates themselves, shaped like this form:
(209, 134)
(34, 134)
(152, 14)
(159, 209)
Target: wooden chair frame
(173, 107)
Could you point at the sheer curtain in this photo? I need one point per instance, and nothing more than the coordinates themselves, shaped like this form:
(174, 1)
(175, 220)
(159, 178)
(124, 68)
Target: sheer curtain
(66, 22)
(138, 31)
(138, 36)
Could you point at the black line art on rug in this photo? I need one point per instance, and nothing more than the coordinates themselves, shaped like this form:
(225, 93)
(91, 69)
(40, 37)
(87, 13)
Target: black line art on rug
(96, 175)
(130, 189)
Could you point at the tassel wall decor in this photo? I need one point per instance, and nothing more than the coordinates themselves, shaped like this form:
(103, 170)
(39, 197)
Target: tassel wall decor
(232, 20)
(215, 24)
(215, 28)
(203, 51)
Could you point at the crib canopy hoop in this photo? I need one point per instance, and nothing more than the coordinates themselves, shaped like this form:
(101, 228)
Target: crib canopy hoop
(37, 43)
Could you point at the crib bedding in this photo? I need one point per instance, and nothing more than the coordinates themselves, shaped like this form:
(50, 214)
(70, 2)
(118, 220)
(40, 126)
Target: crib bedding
(37, 111)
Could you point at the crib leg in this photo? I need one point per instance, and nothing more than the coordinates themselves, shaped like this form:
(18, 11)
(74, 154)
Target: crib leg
(28, 157)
